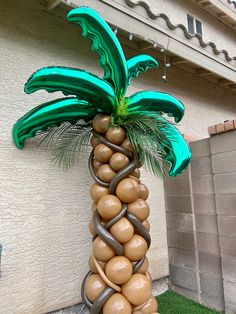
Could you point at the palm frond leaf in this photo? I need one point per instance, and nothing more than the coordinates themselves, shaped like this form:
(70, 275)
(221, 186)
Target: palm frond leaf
(145, 132)
(140, 63)
(105, 43)
(49, 114)
(157, 142)
(67, 142)
(69, 81)
(156, 102)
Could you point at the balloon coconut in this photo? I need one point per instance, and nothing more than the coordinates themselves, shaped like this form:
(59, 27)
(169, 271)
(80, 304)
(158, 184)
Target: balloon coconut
(125, 133)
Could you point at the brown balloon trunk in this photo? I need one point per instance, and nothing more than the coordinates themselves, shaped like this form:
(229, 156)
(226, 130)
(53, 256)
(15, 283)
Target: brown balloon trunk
(118, 281)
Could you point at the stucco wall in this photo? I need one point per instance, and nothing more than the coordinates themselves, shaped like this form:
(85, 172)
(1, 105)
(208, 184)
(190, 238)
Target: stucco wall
(44, 212)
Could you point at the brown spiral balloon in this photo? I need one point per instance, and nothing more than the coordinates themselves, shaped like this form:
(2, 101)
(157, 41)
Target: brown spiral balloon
(118, 280)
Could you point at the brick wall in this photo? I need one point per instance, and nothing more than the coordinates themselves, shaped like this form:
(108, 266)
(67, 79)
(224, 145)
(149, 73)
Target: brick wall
(201, 224)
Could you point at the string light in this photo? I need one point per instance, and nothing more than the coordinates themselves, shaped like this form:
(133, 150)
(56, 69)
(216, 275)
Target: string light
(155, 45)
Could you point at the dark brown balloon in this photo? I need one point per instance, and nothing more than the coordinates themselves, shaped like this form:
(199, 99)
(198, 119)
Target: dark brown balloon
(97, 192)
(116, 135)
(119, 270)
(93, 267)
(106, 173)
(94, 141)
(143, 191)
(101, 123)
(143, 269)
(127, 145)
(122, 230)
(103, 153)
(139, 209)
(135, 248)
(137, 290)
(94, 286)
(109, 206)
(118, 161)
(102, 251)
(117, 304)
(128, 190)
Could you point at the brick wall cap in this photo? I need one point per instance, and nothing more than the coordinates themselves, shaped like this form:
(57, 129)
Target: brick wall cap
(228, 125)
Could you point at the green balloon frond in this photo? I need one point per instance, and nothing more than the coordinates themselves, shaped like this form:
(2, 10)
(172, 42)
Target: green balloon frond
(65, 123)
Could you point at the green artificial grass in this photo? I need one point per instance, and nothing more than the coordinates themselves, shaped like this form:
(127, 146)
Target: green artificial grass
(173, 303)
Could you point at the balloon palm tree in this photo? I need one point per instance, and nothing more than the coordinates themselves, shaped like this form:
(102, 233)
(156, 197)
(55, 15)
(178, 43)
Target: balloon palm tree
(125, 132)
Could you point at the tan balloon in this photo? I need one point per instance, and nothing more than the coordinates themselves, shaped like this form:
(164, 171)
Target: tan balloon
(117, 304)
(135, 248)
(101, 123)
(97, 191)
(102, 251)
(94, 207)
(143, 269)
(119, 269)
(136, 173)
(128, 190)
(150, 306)
(146, 225)
(143, 191)
(116, 135)
(149, 275)
(109, 206)
(93, 267)
(122, 230)
(139, 209)
(103, 153)
(118, 161)
(96, 164)
(94, 141)
(127, 145)
(106, 173)
(92, 228)
(137, 290)
(94, 286)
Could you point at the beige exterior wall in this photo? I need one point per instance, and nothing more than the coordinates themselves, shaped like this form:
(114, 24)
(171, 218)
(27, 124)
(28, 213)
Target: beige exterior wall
(177, 10)
(44, 212)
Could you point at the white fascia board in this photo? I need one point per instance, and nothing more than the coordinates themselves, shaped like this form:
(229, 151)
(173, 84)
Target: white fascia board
(224, 7)
(51, 4)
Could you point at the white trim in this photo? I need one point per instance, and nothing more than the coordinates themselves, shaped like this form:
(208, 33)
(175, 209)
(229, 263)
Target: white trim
(52, 4)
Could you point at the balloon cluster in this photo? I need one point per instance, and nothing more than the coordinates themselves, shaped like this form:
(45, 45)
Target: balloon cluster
(119, 227)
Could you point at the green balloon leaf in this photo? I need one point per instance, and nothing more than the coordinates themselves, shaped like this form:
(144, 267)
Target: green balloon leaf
(178, 154)
(69, 81)
(140, 63)
(156, 102)
(106, 44)
(154, 138)
(49, 114)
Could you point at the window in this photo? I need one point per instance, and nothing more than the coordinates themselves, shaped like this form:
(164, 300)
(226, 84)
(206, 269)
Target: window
(194, 25)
